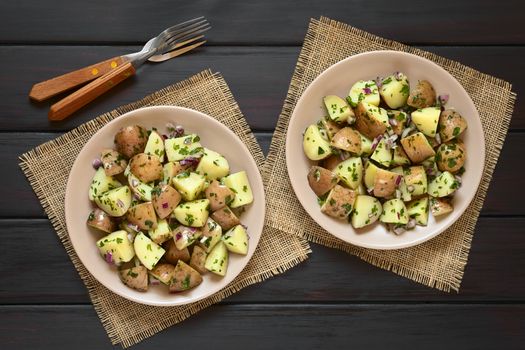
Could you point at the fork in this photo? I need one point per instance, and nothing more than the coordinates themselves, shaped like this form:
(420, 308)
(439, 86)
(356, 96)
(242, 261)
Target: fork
(111, 72)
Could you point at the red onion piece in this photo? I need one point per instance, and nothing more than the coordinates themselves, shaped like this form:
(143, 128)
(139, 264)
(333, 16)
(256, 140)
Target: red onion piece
(178, 236)
(398, 194)
(153, 281)
(133, 227)
(165, 205)
(443, 99)
(392, 121)
(438, 138)
(191, 161)
(406, 132)
(458, 178)
(367, 91)
(376, 142)
(398, 75)
(379, 82)
(134, 183)
(109, 258)
(411, 188)
(120, 203)
(399, 230)
(411, 223)
(96, 163)
(398, 180)
(370, 190)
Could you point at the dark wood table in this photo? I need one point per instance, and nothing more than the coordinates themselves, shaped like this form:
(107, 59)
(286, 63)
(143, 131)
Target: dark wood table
(333, 300)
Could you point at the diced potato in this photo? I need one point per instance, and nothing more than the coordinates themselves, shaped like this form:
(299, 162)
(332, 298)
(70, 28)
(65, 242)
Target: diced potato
(217, 260)
(426, 120)
(430, 165)
(418, 209)
(189, 185)
(399, 119)
(142, 215)
(182, 147)
(148, 252)
(450, 156)
(146, 167)
(339, 203)
(141, 190)
(338, 110)
(198, 259)
(225, 218)
(315, 146)
(192, 214)
(395, 90)
(443, 185)
(402, 187)
(367, 210)
(451, 125)
(350, 172)
(422, 96)
(213, 165)
(219, 195)
(417, 148)
(185, 236)
(400, 157)
(115, 202)
(366, 91)
(366, 146)
(164, 199)
(101, 183)
(100, 220)
(330, 126)
(135, 277)
(171, 169)
(173, 254)
(236, 240)
(440, 206)
(163, 272)
(161, 233)
(416, 180)
(385, 183)
(371, 121)
(131, 140)
(116, 247)
(370, 174)
(113, 162)
(240, 185)
(382, 154)
(347, 139)
(394, 212)
(184, 278)
(321, 180)
(155, 145)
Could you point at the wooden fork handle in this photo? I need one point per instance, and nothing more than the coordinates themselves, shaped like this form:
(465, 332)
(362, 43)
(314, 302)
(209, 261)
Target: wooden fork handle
(49, 88)
(70, 104)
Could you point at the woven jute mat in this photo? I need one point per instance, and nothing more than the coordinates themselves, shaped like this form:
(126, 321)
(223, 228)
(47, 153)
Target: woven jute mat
(439, 262)
(47, 168)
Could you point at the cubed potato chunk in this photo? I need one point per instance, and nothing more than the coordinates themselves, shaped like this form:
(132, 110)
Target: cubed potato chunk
(139, 188)
(382, 154)
(113, 162)
(131, 140)
(163, 272)
(321, 180)
(347, 139)
(315, 146)
(212, 165)
(450, 157)
(406, 195)
(174, 254)
(417, 148)
(148, 252)
(225, 218)
(198, 259)
(422, 96)
(116, 248)
(164, 199)
(399, 157)
(370, 174)
(211, 235)
(371, 121)
(385, 183)
(172, 169)
(240, 185)
(161, 233)
(236, 240)
(185, 236)
(398, 121)
(135, 277)
(451, 125)
(146, 167)
(364, 91)
(367, 210)
(189, 185)
(418, 209)
(182, 147)
(394, 212)
(115, 202)
(416, 180)
(350, 172)
(440, 206)
(193, 213)
(338, 110)
(101, 183)
(366, 146)
(155, 145)
(443, 185)
(395, 90)
(100, 220)
(142, 215)
(217, 260)
(426, 120)
(330, 127)
(184, 278)
(339, 203)
(219, 195)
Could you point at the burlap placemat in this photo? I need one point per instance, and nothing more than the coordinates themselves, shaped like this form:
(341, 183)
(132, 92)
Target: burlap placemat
(47, 168)
(439, 262)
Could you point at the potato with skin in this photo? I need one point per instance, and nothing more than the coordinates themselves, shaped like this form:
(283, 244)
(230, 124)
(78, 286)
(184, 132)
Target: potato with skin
(113, 162)
(339, 203)
(173, 254)
(321, 180)
(385, 183)
(400, 118)
(219, 195)
(100, 220)
(225, 218)
(331, 162)
(163, 272)
(184, 278)
(135, 277)
(198, 258)
(422, 96)
(131, 140)
(450, 157)
(164, 199)
(347, 139)
(416, 180)
(371, 121)
(417, 148)
(172, 169)
(451, 125)
(440, 206)
(146, 167)
(330, 126)
(142, 215)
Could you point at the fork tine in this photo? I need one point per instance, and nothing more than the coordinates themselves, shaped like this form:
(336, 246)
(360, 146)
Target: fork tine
(186, 35)
(175, 53)
(181, 25)
(170, 32)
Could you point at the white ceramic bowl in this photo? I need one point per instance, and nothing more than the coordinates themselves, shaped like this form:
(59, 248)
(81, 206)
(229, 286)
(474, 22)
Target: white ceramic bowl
(213, 135)
(337, 80)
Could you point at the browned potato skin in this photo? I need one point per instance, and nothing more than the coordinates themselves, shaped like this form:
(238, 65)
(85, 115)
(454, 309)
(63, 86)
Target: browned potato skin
(385, 183)
(398, 128)
(449, 120)
(414, 174)
(198, 258)
(100, 220)
(142, 215)
(184, 278)
(113, 162)
(225, 218)
(366, 124)
(417, 148)
(331, 127)
(164, 198)
(336, 201)
(347, 139)
(218, 195)
(131, 140)
(321, 180)
(422, 96)
(331, 162)
(173, 255)
(163, 272)
(440, 206)
(135, 278)
(146, 167)
(450, 156)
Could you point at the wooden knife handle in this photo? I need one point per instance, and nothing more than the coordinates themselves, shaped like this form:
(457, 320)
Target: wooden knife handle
(49, 88)
(70, 104)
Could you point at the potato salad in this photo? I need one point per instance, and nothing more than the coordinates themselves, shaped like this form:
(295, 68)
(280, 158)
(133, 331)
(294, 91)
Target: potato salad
(167, 208)
(388, 152)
